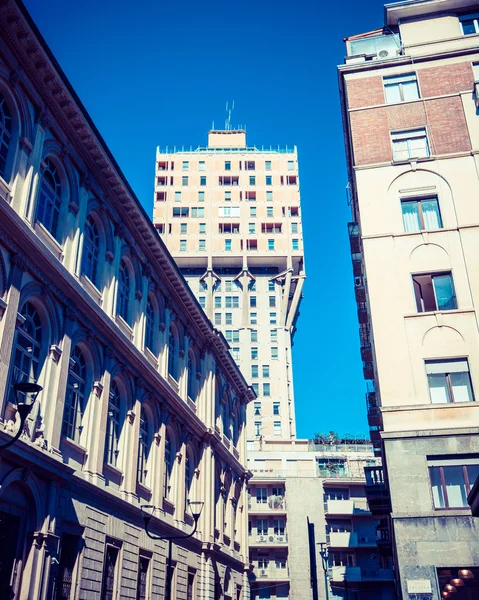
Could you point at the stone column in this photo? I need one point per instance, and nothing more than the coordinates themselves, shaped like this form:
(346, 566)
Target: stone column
(8, 324)
(129, 447)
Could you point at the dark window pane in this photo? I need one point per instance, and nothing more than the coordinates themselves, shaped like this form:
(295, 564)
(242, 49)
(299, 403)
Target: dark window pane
(446, 299)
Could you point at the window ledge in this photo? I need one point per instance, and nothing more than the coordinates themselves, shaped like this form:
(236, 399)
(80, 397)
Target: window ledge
(408, 161)
(124, 327)
(191, 404)
(113, 470)
(151, 357)
(432, 313)
(173, 383)
(74, 445)
(3, 308)
(48, 240)
(428, 406)
(143, 490)
(168, 506)
(91, 289)
(5, 191)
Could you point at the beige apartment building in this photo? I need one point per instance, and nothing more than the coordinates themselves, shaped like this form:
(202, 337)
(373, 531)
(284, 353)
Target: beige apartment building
(230, 215)
(410, 98)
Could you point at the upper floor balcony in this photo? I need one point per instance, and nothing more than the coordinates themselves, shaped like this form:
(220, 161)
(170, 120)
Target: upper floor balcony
(271, 573)
(352, 506)
(377, 493)
(276, 504)
(268, 539)
(380, 44)
(341, 573)
(348, 539)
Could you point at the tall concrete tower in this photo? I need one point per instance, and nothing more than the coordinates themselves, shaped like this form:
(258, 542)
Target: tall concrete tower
(231, 217)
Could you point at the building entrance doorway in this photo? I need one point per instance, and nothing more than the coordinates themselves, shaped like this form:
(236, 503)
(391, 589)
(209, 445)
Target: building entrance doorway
(9, 531)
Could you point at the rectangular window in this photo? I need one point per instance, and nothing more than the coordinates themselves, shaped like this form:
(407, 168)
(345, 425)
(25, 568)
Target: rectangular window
(142, 581)
(252, 228)
(266, 371)
(271, 286)
(254, 335)
(274, 352)
(202, 301)
(272, 301)
(202, 228)
(202, 245)
(257, 409)
(269, 195)
(269, 180)
(181, 212)
(217, 301)
(266, 389)
(262, 497)
(294, 228)
(228, 180)
(252, 301)
(419, 214)
(277, 431)
(184, 180)
(183, 228)
(254, 353)
(449, 381)
(253, 318)
(469, 23)
(203, 180)
(269, 211)
(227, 165)
(254, 371)
(255, 388)
(434, 292)
(227, 244)
(257, 430)
(252, 211)
(267, 165)
(401, 88)
(250, 196)
(177, 196)
(182, 245)
(201, 196)
(228, 318)
(201, 165)
(217, 318)
(451, 483)
(235, 353)
(295, 244)
(272, 318)
(410, 144)
(291, 180)
(66, 568)
(252, 180)
(252, 286)
(249, 165)
(198, 212)
(160, 196)
(190, 588)
(231, 301)
(276, 408)
(228, 196)
(270, 244)
(229, 211)
(290, 165)
(475, 70)
(108, 587)
(185, 165)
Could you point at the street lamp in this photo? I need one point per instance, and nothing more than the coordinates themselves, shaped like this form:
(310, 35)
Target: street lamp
(25, 394)
(323, 552)
(147, 511)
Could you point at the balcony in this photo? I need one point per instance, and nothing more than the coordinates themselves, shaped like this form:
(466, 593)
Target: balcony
(354, 238)
(383, 538)
(368, 370)
(348, 539)
(357, 506)
(374, 416)
(268, 539)
(341, 573)
(274, 504)
(376, 492)
(363, 314)
(271, 574)
(357, 264)
(367, 353)
(359, 289)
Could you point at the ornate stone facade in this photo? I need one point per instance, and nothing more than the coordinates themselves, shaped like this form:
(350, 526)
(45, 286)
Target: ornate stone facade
(135, 379)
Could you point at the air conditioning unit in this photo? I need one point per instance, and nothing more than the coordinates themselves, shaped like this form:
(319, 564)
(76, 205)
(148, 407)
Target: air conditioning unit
(281, 538)
(262, 538)
(390, 53)
(271, 538)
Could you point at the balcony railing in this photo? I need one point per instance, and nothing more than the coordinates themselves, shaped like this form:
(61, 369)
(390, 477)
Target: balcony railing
(273, 503)
(356, 506)
(374, 476)
(340, 573)
(348, 539)
(271, 573)
(268, 538)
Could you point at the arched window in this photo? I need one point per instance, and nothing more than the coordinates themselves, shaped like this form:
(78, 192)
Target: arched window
(191, 379)
(189, 476)
(113, 426)
(75, 398)
(5, 134)
(149, 325)
(122, 301)
(27, 348)
(169, 462)
(143, 447)
(225, 414)
(50, 198)
(91, 249)
(172, 355)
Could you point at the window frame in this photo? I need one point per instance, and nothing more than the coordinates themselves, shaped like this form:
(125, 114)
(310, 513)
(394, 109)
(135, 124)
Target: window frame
(407, 135)
(449, 385)
(400, 80)
(469, 17)
(419, 296)
(418, 201)
(467, 483)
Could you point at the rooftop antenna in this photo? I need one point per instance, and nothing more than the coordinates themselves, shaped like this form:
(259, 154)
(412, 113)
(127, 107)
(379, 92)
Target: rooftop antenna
(228, 117)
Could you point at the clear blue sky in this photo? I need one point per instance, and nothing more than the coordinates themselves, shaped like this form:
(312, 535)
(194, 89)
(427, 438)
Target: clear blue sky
(158, 72)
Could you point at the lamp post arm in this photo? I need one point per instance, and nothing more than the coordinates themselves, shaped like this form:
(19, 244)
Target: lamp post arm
(169, 537)
(17, 435)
